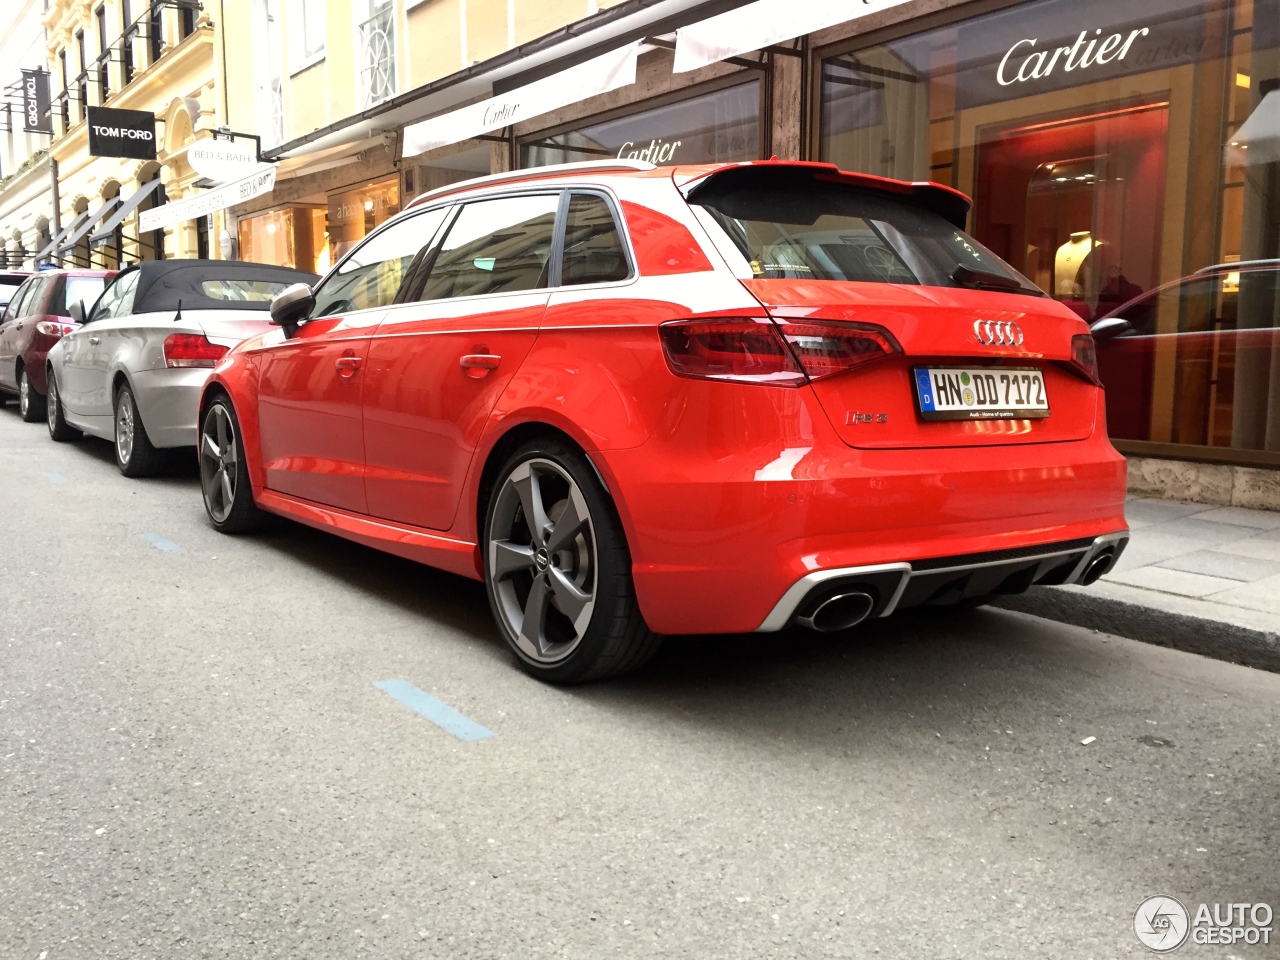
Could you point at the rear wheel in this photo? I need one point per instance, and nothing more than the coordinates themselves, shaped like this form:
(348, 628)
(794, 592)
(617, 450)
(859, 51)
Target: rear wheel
(30, 403)
(558, 571)
(224, 478)
(59, 429)
(136, 456)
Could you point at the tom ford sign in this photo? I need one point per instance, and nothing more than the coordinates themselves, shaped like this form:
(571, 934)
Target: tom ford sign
(35, 102)
(122, 133)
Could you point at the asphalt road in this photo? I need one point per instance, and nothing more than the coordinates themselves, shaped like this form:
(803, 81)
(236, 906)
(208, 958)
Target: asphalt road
(195, 762)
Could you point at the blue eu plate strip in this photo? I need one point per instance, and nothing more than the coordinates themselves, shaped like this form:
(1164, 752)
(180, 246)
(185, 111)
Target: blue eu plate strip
(161, 543)
(441, 714)
(925, 390)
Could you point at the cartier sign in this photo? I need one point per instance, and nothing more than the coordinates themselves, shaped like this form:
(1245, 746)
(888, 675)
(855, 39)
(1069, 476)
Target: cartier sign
(1081, 55)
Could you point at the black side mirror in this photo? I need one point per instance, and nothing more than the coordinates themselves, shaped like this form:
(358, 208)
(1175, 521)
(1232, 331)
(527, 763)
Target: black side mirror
(291, 306)
(76, 310)
(1109, 327)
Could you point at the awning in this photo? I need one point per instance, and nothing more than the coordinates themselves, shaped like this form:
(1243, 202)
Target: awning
(53, 244)
(106, 232)
(74, 236)
(262, 180)
(611, 70)
(1258, 139)
(762, 24)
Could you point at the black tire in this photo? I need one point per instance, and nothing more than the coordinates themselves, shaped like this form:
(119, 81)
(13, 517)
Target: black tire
(59, 429)
(573, 642)
(30, 401)
(222, 467)
(136, 455)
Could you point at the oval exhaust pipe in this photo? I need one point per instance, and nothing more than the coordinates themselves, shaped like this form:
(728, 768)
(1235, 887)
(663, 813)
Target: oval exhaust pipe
(1096, 568)
(839, 612)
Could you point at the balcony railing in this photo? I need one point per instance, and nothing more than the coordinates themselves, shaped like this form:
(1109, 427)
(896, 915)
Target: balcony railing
(378, 54)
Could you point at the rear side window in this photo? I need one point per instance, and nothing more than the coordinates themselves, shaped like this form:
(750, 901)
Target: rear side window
(495, 246)
(593, 248)
(819, 231)
(83, 289)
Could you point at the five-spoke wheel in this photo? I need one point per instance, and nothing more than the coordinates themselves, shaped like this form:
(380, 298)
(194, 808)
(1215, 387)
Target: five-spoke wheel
(223, 479)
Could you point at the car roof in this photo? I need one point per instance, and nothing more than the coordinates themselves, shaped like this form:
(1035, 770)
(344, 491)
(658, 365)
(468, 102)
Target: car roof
(942, 199)
(164, 284)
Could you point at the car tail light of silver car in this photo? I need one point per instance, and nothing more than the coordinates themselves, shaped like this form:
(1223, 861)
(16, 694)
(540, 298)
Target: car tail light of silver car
(1084, 358)
(998, 333)
(782, 353)
(191, 350)
(54, 328)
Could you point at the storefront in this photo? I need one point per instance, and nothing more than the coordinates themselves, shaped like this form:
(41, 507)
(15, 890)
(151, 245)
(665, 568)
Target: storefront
(1102, 144)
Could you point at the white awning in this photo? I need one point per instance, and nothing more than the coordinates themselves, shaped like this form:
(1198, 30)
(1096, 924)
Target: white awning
(262, 180)
(762, 24)
(1258, 139)
(612, 70)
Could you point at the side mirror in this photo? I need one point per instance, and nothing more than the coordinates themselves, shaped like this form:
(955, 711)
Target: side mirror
(291, 306)
(77, 311)
(1109, 327)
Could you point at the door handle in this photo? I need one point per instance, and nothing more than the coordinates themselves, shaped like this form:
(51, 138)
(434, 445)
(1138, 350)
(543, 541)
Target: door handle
(94, 341)
(478, 365)
(347, 366)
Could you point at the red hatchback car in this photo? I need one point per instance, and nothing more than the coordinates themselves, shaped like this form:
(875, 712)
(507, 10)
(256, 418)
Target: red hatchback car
(37, 317)
(638, 401)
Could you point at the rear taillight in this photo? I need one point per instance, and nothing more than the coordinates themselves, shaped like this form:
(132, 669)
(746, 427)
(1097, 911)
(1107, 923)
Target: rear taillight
(191, 350)
(825, 348)
(783, 353)
(54, 328)
(1084, 358)
(747, 350)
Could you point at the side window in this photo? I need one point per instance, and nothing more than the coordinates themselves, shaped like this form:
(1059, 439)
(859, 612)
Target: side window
(593, 248)
(117, 299)
(34, 297)
(372, 274)
(14, 310)
(495, 246)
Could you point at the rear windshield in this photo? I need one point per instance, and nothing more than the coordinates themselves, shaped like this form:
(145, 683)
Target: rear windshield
(818, 231)
(8, 287)
(78, 289)
(243, 290)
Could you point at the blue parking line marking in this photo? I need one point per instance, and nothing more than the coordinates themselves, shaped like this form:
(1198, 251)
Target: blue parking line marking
(55, 477)
(439, 713)
(161, 543)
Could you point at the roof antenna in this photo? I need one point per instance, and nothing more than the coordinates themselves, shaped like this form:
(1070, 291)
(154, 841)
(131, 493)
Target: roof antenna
(178, 316)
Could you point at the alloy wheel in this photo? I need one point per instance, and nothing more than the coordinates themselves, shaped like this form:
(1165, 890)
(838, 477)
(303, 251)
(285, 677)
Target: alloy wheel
(24, 394)
(124, 426)
(218, 462)
(543, 560)
(51, 405)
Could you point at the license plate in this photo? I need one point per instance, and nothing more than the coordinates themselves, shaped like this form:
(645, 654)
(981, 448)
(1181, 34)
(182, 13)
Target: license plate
(980, 393)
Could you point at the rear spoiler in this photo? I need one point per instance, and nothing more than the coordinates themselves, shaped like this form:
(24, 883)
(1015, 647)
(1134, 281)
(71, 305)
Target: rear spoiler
(947, 202)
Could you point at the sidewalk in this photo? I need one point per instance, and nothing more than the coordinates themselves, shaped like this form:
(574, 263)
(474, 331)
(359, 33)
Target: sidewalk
(1200, 578)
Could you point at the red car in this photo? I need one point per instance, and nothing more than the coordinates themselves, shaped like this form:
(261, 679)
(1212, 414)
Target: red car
(639, 401)
(37, 317)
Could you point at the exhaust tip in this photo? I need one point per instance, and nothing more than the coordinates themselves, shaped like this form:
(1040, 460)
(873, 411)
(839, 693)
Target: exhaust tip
(1096, 568)
(839, 612)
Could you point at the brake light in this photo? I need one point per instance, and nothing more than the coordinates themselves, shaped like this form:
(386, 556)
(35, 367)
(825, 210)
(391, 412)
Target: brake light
(1084, 358)
(191, 350)
(55, 328)
(742, 349)
(825, 348)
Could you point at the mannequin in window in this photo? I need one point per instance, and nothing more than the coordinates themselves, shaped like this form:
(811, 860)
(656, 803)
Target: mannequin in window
(1069, 262)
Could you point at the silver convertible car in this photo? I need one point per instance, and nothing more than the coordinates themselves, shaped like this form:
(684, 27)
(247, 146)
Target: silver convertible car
(132, 373)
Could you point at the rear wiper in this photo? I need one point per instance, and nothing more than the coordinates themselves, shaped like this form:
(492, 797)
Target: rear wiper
(982, 280)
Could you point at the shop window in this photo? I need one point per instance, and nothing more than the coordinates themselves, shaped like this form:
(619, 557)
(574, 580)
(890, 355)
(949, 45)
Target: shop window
(1119, 156)
(713, 127)
(354, 213)
(495, 246)
(287, 237)
(593, 249)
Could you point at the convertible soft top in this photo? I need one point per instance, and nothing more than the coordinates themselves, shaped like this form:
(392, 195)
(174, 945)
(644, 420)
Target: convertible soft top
(211, 284)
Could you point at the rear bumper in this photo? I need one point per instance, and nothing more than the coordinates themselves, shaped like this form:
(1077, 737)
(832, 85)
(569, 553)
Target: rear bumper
(168, 402)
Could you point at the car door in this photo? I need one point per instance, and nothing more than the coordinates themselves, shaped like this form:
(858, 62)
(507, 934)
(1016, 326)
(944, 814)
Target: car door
(11, 330)
(310, 385)
(438, 364)
(86, 354)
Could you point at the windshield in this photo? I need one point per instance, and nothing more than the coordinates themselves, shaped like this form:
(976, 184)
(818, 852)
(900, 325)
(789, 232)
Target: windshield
(830, 232)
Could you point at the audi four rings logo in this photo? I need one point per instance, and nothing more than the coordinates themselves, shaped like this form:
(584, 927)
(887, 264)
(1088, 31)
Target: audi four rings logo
(998, 333)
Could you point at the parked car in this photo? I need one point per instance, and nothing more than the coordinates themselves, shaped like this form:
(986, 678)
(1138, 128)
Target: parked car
(133, 370)
(10, 281)
(636, 402)
(37, 318)
(1193, 361)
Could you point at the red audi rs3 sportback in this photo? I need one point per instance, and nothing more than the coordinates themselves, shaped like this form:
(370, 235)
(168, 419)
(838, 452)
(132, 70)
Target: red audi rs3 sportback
(638, 401)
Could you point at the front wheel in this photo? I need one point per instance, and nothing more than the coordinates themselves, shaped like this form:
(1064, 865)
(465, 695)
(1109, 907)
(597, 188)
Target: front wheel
(558, 571)
(59, 429)
(30, 403)
(224, 478)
